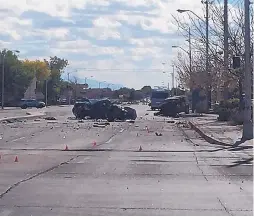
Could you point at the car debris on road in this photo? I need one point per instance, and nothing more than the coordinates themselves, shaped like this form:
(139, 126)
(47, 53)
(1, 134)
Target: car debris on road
(103, 109)
(50, 118)
(158, 134)
(172, 106)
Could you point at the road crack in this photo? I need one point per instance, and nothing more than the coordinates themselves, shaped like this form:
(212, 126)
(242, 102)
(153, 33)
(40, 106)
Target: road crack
(224, 207)
(36, 175)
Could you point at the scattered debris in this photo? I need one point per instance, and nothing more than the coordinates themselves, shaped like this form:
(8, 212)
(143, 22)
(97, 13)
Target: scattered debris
(158, 134)
(140, 148)
(80, 121)
(37, 120)
(146, 113)
(130, 121)
(170, 122)
(10, 121)
(50, 118)
(71, 118)
(99, 125)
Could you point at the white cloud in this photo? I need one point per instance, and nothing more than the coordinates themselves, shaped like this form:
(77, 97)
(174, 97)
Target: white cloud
(107, 27)
(106, 22)
(102, 33)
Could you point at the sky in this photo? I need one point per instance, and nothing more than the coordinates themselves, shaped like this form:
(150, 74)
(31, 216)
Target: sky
(121, 42)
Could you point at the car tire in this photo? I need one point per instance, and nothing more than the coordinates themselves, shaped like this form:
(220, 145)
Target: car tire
(24, 106)
(187, 110)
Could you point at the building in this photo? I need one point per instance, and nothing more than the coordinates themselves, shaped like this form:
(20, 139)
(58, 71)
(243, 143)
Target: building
(79, 91)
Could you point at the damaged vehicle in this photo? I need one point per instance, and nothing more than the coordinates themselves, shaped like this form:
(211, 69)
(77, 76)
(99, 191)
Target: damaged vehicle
(172, 106)
(103, 109)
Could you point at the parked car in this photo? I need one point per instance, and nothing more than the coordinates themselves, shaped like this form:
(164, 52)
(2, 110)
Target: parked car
(31, 103)
(103, 109)
(172, 106)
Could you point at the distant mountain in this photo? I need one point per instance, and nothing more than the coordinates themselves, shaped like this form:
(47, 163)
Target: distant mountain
(95, 83)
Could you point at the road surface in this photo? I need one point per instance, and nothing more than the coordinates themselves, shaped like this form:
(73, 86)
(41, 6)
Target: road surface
(122, 169)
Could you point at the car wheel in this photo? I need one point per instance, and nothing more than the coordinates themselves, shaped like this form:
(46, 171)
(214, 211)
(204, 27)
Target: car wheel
(187, 110)
(24, 106)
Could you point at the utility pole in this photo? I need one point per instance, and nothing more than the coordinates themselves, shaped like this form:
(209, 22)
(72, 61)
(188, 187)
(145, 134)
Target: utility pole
(225, 38)
(247, 122)
(46, 94)
(207, 54)
(190, 56)
(69, 95)
(190, 50)
(208, 80)
(2, 80)
(173, 79)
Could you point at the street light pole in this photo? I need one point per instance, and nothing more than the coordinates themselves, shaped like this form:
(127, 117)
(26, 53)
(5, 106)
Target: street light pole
(225, 37)
(207, 55)
(190, 53)
(247, 122)
(2, 80)
(46, 94)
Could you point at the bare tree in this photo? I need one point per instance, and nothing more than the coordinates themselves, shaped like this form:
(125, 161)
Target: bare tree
(219, 79)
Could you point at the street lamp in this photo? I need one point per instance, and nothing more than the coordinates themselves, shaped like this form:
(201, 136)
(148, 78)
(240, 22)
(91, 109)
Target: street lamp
(3, 82)
(86, 78)
(207, 38)
(183, 11)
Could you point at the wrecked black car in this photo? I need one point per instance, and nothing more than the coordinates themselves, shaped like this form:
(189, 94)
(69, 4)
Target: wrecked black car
(172, 106)
(103, 109)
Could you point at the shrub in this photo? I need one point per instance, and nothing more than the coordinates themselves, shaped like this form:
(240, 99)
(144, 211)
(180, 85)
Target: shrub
(228, 108)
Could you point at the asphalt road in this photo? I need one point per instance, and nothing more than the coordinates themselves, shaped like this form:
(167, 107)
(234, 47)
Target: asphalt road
(104, 172)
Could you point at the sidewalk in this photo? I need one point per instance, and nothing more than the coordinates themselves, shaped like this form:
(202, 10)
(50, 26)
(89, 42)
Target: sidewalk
(217, 132)
(11, 113)
(20, 114)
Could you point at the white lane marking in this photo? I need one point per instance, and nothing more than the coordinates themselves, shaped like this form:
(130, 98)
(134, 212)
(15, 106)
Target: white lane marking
(18, 139)
(121, 130)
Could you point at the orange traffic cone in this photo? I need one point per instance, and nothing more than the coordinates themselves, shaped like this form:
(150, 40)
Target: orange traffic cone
(140, 148)
(66, 148)
(16, 159)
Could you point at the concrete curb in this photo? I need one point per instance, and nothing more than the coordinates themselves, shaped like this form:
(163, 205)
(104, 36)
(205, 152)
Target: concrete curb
(26, 117)
(206, 137)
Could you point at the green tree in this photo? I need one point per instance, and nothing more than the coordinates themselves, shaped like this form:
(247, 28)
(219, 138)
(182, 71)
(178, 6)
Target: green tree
(55, 82)
(147, 90)
(17, 79)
